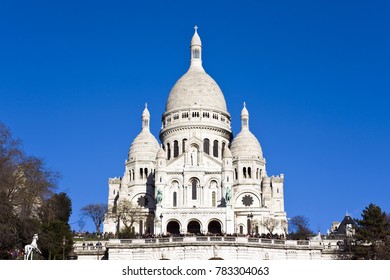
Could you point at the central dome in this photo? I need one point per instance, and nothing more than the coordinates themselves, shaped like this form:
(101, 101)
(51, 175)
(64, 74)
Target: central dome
(196, 89)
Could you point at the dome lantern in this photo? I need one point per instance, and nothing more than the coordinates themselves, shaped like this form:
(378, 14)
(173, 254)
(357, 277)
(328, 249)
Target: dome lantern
(196, 50)
(145, 118)
(244, 117)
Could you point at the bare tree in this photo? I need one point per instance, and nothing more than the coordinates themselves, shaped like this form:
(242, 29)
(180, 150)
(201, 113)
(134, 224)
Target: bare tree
(284, 226)
(300, 227)
(96, 212)
(270, 224)
(127, 214)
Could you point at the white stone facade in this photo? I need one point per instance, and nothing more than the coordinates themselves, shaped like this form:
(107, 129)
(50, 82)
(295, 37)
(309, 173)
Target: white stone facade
(200, 179)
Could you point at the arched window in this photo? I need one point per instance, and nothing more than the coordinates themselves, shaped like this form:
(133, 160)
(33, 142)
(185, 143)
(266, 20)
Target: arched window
(196, 53)
(194, 185)
(244, 172)
(146, 173)
(249, 172)
(241, 230)
(206, 146)
(223, 147)
(257, 173)
(184, 145)
(141, 173)
(175, 149)
(213, 199)
(168, 151)
(215, 148)
(174, 199)
(235, 173)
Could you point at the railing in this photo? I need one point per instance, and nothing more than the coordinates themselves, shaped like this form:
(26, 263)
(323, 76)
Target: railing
(89, 248)
(254, 240)
(150, 240)
(177, 239)
(279, 242)
(202, 238)
(207, 239)
(215, 238)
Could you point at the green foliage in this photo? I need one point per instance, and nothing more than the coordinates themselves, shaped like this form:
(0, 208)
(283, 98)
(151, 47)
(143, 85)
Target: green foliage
(56, 240)
(372, 236)
(55, 227)
(28, 204)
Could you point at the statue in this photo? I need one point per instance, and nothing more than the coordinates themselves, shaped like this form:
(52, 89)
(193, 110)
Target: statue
(228, 195)
(194, 157)
(159, 196)
(29, 249)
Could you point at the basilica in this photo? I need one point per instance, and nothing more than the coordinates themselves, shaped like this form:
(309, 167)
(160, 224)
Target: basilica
(200, 179)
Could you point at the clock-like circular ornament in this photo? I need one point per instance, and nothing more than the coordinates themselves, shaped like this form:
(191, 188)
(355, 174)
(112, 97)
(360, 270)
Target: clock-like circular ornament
(143, 201)
(247, 200)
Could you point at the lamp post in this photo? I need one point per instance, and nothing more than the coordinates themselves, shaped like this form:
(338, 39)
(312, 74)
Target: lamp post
(161, 224)
(63, 247)
(98, 245)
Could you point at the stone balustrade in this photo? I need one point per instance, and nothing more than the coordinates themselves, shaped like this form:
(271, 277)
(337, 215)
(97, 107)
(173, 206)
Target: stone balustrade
(229, 247)
(214, 239)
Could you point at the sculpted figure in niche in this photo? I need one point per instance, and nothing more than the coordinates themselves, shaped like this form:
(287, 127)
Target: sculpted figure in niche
(194, 156)
(228, 195)
(159, 196)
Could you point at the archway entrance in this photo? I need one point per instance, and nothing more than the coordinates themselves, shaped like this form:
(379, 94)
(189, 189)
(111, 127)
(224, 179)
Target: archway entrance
(214, 227)
(173, 227)
(193, 227)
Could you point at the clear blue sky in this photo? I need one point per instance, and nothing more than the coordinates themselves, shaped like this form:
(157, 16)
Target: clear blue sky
(74, 77)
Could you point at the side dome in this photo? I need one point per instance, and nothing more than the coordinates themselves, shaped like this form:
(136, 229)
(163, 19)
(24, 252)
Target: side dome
(245, 144)
(161, 154)
(145, 145)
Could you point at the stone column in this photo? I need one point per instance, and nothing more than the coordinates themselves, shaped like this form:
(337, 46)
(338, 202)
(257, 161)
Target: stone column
(229, 219)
